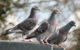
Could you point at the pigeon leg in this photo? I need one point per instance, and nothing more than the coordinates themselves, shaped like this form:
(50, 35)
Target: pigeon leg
(27, 40)
(45, 42)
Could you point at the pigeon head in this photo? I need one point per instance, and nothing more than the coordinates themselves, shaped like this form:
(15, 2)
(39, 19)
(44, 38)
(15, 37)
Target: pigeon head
(35, 8)
(55, 11)
(52, 17)
(34, 11)
(72, 23)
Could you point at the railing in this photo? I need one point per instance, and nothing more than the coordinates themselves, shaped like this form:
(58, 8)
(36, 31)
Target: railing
(7, 45)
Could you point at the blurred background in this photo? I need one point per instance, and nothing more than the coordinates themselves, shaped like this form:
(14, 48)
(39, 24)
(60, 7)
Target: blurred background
(13, 12)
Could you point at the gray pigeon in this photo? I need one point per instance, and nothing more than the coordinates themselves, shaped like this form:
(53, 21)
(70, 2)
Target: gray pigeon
(60, 35)
(27, 25)
(44, 27)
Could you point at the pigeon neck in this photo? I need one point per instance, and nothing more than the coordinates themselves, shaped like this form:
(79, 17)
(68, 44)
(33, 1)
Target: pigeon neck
(35, 18)
(52, 19)
(66, 28)
(52, 22)
(32, 15)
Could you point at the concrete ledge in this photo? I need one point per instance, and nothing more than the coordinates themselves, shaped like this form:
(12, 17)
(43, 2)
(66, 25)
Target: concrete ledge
(6, 45)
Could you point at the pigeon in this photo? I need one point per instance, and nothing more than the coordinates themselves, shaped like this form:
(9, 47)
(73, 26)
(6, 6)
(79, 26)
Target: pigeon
(60, 35)
(43, 28)
(27, 25)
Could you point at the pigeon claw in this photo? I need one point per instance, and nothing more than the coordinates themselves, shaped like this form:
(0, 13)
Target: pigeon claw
(45, 42)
